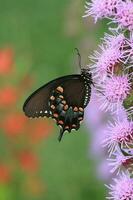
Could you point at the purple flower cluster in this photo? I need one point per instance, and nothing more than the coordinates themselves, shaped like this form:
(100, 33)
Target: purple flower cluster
(119, 11)
(101, 9)
(112, 72)
(122, 188)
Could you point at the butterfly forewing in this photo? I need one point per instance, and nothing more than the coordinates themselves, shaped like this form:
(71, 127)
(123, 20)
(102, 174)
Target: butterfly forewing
(36, 104)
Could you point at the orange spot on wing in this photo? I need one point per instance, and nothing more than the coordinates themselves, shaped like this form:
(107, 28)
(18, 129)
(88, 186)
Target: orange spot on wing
(60, 89)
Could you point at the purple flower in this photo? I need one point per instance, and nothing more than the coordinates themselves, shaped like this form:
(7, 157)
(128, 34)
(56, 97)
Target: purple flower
(122, 189)
(118, 133)
(116, 41)
(105, 61)
(124, 15)
(101, 8)
(114, 90)
(118, 161)
(112, 74)
(121, 42)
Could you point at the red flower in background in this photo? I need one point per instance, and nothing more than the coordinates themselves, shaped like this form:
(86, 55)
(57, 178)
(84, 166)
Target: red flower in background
(8, 96)
(14, 124)
(6, 61)
(40, 129)
(5, 174)
(28, 161)
(21, 131)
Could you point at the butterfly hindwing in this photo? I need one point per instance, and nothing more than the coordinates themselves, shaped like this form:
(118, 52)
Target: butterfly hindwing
(67, 103)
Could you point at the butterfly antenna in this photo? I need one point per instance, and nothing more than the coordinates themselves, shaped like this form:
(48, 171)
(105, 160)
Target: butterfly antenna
(61, 134)
(79, 57)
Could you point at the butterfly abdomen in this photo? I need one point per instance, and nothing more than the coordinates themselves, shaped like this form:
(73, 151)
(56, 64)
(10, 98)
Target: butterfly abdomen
(87, 84)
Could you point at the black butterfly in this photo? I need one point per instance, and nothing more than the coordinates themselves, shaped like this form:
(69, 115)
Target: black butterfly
(63, 99)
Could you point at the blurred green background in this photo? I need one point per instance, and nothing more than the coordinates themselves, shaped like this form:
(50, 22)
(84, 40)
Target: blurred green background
(37, 41)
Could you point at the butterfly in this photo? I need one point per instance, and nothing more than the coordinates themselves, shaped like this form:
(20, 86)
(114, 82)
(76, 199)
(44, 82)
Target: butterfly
(63, 99)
